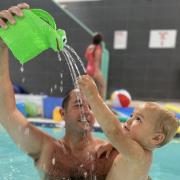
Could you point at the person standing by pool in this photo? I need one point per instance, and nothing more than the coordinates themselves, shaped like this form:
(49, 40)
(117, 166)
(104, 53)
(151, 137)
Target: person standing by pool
(72, 157)
(149, 127)
(93, 56)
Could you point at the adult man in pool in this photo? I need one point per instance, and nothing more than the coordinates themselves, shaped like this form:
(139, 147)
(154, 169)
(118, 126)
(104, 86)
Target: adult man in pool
(74, 156)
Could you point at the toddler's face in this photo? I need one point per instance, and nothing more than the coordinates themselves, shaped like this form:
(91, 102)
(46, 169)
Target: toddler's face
(141, 126)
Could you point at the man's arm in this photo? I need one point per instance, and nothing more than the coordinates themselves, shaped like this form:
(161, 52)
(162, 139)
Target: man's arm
(108, 121)
(28, 137)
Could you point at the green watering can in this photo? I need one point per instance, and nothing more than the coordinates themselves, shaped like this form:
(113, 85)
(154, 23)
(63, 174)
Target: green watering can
(33, 33)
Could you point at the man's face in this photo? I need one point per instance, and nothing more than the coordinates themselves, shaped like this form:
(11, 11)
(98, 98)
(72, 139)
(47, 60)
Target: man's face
(78, 109)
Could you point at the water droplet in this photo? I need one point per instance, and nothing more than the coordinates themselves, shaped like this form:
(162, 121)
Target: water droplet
(53, 161)
(55, 86)
(59, 57)
(63, 148)
(22, 68)
(91, 158)
(92, 167)
(23, 80)
(26, 132)
(51, 90)
(61, 89)
(85, 174)
(83, 118)
(61, 75)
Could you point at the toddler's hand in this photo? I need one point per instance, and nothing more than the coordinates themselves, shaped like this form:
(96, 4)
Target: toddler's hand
(87, 86)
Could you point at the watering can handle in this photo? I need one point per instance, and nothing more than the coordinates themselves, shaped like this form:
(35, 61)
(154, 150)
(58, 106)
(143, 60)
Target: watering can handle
(45, 16)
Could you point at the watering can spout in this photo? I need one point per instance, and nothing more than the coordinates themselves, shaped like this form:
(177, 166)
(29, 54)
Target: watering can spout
(62, 39)
(58, 40)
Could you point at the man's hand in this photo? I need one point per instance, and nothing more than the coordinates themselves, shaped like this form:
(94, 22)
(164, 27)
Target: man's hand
(104, 149)
(87, 86)
(8, 15)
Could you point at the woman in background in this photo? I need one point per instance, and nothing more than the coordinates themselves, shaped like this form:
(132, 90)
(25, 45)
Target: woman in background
(93, 56)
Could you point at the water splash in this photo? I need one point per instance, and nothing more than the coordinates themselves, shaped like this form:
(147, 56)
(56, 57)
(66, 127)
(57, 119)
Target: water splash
(61, 82)
(85, 175)
(60, 74)
(74, 72)
(59, 56)
(22, 70)
(77, 56)
(71, 67)
(72, 61)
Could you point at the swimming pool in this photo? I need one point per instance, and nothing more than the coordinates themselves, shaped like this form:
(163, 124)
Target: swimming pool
(15, 165)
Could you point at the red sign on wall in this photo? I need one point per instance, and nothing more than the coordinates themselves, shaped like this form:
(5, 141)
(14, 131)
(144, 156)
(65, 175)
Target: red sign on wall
(162, 38)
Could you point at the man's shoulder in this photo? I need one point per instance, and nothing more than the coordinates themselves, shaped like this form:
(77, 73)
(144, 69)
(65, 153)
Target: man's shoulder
(53, 149)
(55, 144)
(52, 146)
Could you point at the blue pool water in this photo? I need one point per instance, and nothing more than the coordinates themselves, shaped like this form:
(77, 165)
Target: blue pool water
(15, 165)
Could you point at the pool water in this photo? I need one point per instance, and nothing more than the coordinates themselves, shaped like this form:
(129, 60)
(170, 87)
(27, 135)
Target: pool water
(15, 165)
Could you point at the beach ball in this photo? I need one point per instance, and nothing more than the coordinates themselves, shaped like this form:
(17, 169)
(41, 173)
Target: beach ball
(120, 98)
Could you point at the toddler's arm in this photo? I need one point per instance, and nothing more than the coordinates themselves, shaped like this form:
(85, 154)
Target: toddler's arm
(108, 121)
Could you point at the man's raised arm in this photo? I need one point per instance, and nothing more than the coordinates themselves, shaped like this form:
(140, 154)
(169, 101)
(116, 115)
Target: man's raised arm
(28, 137)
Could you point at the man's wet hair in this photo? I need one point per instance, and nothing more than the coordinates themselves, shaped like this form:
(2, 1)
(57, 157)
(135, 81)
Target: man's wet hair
(97, 38)
(66, 99)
